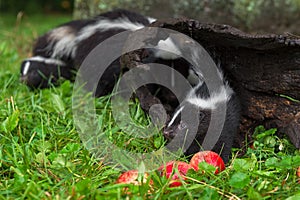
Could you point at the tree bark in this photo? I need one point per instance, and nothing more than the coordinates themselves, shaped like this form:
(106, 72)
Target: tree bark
(261, 69)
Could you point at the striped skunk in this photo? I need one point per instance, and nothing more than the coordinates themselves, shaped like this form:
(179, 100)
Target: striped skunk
(204, 103)
(207, 105)
(60, 52)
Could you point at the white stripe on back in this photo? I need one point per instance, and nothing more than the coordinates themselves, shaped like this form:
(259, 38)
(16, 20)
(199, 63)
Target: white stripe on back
(167, 50)
(64, 47)
(61, 32)
(68, 45)
(151, 20)
(105, 24)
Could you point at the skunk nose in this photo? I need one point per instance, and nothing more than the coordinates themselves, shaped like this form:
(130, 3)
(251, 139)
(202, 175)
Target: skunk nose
(23, 79)
(168, 133)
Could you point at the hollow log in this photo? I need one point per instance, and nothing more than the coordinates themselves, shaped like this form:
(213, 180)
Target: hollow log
(264, 70)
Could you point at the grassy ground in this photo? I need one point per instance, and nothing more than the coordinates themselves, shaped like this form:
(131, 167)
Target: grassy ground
(42, 156)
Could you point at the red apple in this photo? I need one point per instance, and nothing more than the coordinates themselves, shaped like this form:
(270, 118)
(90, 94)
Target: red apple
(131, 176)
(169, 169)
(209, 157)
(298, 172)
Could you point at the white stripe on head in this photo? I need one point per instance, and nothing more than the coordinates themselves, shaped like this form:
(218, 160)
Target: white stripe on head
(214, 99)
(175, 116)
(167, 50)
(51, 61)
(26, 68)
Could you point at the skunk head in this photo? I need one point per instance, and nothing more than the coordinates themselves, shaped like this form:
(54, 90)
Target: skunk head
(181, 125)
(39, 71)
(195, 113)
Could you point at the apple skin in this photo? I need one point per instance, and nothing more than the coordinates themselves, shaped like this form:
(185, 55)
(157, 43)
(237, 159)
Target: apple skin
(169, 170)
(131, 177)
(209, 157)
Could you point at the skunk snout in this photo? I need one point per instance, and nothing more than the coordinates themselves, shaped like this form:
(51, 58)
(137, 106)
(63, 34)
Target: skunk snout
(168, 133)
(171, 131)
(23, 79)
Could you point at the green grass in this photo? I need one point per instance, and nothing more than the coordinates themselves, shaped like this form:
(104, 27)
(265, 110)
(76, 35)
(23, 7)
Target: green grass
(42, 156)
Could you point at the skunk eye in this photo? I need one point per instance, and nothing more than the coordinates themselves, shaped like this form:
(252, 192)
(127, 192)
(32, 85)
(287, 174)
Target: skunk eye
(182, 125)
(201, 116)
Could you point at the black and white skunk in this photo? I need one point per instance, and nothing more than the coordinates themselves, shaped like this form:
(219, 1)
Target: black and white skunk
(203, 103)
(62, 50)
